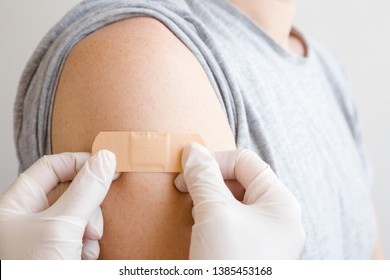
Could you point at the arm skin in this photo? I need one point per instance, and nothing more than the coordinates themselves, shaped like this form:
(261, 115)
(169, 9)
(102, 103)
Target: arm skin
(135, 75)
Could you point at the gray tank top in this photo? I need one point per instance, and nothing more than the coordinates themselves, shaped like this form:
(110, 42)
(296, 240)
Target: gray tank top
(296, 113)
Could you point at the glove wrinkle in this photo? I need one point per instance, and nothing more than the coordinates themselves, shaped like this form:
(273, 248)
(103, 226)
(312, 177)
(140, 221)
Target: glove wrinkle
(267, 225)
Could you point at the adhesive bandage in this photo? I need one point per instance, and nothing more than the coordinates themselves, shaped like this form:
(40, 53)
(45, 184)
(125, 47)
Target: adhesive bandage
(145, 151)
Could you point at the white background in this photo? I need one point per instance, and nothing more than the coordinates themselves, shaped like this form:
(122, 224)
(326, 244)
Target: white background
(359, 31)
(281, 270)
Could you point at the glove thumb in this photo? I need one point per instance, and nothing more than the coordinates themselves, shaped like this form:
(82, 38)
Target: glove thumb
(202, 176)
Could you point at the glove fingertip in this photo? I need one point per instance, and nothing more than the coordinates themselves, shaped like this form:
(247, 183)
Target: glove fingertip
(180, 183)
(194, 151)
(248, 166)
(116, 176)
(104, 160)
(108, 157)
(91, 249)
(94, 228)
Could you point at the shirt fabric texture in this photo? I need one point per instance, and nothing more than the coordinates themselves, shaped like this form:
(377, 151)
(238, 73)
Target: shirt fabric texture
(296, 112)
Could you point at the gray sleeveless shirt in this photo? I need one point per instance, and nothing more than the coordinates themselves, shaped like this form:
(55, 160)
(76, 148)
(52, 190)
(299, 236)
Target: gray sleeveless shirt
(296, 113)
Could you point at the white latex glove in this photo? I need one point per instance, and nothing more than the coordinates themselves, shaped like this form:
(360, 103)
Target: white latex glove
(266, 225)
(71, 227)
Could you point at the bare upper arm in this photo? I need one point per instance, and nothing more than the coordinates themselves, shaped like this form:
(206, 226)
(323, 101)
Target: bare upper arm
(135, 75)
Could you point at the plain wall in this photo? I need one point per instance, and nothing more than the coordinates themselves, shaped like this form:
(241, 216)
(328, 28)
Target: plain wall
(359, 31)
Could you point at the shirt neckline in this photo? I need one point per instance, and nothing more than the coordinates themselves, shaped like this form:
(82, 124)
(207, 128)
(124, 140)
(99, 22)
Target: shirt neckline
(256, 28)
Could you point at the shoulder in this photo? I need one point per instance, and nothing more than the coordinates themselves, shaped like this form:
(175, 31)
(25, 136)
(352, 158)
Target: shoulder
(143, 43)
(140, 29)
(135, 75)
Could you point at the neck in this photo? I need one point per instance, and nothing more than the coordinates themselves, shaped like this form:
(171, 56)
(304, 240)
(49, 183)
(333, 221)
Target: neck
(274, 16)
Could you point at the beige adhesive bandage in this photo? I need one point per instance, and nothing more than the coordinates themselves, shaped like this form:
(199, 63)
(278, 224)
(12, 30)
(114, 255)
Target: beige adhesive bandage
(145, 151)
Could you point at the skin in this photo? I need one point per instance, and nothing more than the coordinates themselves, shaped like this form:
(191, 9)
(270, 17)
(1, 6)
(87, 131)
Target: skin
(112, 81)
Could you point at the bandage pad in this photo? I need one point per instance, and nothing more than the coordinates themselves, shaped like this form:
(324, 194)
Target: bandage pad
(145, 151)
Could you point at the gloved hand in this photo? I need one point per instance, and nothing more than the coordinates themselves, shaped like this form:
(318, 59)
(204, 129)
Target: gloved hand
(69, 229)
(266, 225)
